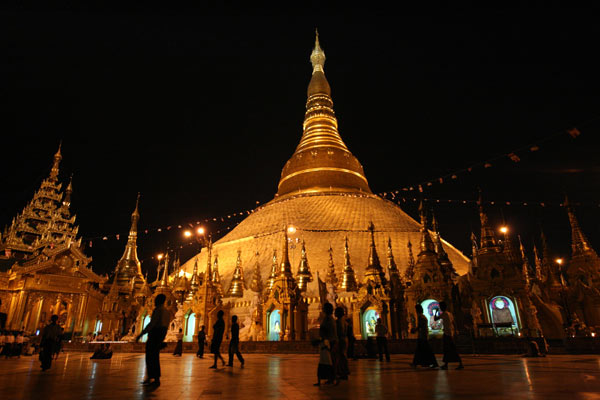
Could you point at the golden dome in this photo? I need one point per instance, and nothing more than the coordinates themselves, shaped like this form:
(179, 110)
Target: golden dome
(324, 194)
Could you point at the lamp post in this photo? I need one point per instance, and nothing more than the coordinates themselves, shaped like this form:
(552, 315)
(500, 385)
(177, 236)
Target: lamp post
(199, 236)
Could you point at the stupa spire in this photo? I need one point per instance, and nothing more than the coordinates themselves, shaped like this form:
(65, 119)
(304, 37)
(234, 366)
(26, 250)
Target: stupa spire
(409, 273)
(55, 164)
(285, 266)
(256, 285)
(373, 270)
(331, 276)
(525, 262)
(348, 282)
(236, 288)
(488, 240)
(129, 267)
(321, 162)
(304, 275)
(579, 242)
(274, 271)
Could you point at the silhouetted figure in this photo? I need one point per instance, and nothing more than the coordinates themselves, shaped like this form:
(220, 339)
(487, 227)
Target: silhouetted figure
(234, 343)
(156, 330)
(423, 355)
(49, 342)
(179, 346)
(382, 345)
(103, 353)
(450, 352)
(217, 339)
(201, 342)
(327, 347)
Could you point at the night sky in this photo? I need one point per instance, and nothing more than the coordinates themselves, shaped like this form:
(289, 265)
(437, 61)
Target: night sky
(200, 111)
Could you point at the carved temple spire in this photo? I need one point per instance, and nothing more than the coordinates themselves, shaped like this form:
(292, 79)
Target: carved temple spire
(304, 276)
(374, 271)
(331, 276)
(427, 245)
(285, 268)
(525, 262)
(393, 271)
(321, 162)
(348, 282)
(216, 276)
(579, 242)
(256, 284)
(195, 280)
(164, 281)
(68, 192)
(129, 267)
(539, 274)
(236, 288)
(57, 158)
(274, 271)
(409, 273)
(488, 240)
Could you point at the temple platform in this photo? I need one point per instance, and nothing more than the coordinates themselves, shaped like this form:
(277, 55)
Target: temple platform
(291, 376)
(491, 345)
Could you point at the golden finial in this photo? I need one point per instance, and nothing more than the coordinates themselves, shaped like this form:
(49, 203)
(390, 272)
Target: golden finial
(317, 57)
(57, 159)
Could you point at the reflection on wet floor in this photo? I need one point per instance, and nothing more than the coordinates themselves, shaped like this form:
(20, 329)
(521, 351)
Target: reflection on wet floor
(75, 376)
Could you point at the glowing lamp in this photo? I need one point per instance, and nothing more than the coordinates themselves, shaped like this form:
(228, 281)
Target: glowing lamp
(504, 229)
(200, 231)
(160, 256)
(292, 229)
(559, 261)
(187, 234)
(593, 334)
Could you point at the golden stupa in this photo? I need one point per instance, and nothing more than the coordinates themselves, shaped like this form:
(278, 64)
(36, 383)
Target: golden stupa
(324, 195)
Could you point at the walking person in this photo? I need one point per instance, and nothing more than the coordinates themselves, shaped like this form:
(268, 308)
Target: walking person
(179, 346)
(450, 352)
(234, 343)
(49, 342)
(382, 345)
(217, 339)
(341, 327)
(156, 330)
(201, 342)
(423, 355)
(327, 347)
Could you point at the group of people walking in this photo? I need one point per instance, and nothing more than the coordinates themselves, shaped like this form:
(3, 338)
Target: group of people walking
(333, 346)
(424, 355)
(157, 331)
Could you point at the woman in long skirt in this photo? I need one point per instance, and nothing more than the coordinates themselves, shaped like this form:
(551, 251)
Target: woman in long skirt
(327, 347)
(179, 346)
(423, 355)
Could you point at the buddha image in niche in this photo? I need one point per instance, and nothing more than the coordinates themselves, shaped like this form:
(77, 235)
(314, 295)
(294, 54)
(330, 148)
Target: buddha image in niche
(501, 311)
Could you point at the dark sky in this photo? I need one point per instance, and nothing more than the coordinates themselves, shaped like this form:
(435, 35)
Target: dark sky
(199, 111)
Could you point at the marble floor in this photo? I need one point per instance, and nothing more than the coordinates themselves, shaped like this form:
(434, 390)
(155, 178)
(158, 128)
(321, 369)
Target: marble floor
(75, 376)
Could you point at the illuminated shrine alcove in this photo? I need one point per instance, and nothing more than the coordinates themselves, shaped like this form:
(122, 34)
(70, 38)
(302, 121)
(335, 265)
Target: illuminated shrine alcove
(274, 325)
(98, 327)
(431, 307)
(146, 322)
(369, 321)
(503, 315)
(190, 327)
